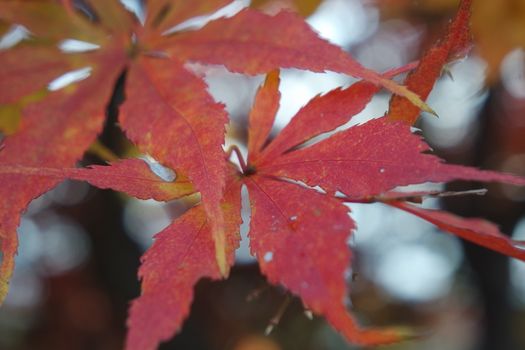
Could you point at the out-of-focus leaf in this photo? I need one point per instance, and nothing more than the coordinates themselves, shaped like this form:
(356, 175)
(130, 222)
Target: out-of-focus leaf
(478, 231)
(49, 20)
(164, 14)
(454, 45)
(65, 124)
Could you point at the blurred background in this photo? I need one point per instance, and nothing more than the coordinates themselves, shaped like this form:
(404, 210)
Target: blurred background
(80, 247)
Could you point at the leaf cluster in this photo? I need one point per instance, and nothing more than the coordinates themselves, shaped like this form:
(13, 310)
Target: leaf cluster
(297, 186)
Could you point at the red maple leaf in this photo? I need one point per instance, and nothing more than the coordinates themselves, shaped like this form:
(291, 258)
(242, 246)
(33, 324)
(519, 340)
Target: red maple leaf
(297, 186)
(165, 101)
(298, 231)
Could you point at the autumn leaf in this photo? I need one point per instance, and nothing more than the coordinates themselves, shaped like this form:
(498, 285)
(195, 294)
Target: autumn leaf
(498, 27)
(299, 232)
(154, 111)
(158, 86)
(370, 159)
(72, 122)
(20, 65)
(478, 231)
(299, 235)
(321, 115)
(133, 176)
(286, 42)
(266, 103)
(300, 238)
(454, 45)
(297, 184)
(182, 254)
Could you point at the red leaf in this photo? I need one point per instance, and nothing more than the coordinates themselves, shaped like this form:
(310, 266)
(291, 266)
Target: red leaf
(421, 81)
(286, 42)
(135, 178)
(155, 116)
(177, 92)
(324, 113)
(299, 235)
(131, 176)
(478, 231)
(300, 239)
(17, 76)
(64, 124)
(182, 254)
(370, 159)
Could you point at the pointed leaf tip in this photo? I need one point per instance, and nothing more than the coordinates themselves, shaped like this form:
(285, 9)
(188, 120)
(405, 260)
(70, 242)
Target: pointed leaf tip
(410, 95)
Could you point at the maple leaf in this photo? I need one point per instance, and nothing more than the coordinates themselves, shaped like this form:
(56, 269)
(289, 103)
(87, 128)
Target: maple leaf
(292, 225)
(132, 176)
(71, 124)
(298, 234)
(154, 112)
(182, 254)
(454, 45)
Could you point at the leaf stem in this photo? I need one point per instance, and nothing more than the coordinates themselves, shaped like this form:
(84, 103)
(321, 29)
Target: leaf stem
(237, 151)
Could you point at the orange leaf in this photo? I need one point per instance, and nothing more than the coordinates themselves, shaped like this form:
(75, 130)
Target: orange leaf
(18, 69)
